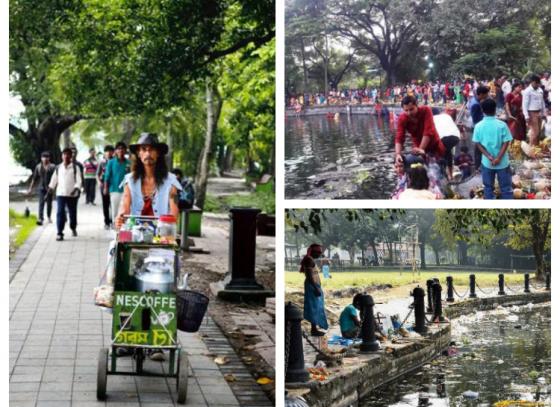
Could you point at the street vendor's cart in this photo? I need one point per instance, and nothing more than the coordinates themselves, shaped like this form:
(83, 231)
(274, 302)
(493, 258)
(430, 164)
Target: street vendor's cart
(144, 317)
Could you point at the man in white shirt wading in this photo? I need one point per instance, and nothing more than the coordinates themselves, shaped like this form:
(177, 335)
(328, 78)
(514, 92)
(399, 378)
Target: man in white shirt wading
(534, 109)
(67, 180)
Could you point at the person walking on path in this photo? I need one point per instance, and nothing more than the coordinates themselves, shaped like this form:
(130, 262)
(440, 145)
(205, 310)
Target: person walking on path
(534, 108)
(117, 168)
(314, 298)
(105, 197)
(42, 175)
(67, 182)
(482, 93)
(492, 138)
(515, 118)
(90, 181)
(149, 190)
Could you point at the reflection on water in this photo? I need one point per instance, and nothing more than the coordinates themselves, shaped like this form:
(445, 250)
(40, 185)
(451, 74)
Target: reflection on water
(502, 356)
(328, 158)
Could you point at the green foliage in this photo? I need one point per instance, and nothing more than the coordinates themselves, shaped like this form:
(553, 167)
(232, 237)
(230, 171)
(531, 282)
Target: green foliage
(23, 226)
(399, 278)
(265, 201)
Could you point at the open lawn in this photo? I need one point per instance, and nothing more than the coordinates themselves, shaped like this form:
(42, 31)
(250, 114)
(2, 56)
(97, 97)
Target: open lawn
(20, 228)
(399, 278)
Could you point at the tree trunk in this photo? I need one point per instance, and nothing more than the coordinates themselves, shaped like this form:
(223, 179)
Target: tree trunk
(66, 139)
(352, 254)
(304, 66)
(128, 130)
(462, 255)
(422, 256)
(213, 110)
(169, 157)
(437, 256)
(228, 159)
(326, 60)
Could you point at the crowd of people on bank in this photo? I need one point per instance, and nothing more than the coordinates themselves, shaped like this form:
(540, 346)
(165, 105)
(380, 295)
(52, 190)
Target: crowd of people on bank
(104, 172)
(437, 92)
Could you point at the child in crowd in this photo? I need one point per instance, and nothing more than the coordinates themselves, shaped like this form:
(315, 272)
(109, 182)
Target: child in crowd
(492, 138)
(350, 320)
(418, 184)
(464, 161)
(402, 182)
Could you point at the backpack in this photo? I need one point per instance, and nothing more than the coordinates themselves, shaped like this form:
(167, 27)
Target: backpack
(186, 196)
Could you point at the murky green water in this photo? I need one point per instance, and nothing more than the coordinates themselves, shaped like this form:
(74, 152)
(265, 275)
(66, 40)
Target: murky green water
(502, 355)
(328, 158)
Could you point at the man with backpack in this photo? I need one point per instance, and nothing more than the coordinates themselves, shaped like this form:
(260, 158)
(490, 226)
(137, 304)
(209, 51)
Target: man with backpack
(67, 181)
(186, 196)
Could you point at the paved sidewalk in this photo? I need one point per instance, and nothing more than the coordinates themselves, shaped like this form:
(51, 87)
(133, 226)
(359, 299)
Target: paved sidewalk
(56, 332)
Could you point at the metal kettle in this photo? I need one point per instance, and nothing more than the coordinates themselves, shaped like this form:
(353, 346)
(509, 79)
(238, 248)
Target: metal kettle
(155, 275)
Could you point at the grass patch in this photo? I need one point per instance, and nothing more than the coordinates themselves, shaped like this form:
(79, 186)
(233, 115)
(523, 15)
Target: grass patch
(397, 278)
(261, 200)
(22, 228)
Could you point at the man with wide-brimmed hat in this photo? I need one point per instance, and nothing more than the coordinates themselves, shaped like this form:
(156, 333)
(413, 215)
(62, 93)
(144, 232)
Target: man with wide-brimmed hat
(149, 190)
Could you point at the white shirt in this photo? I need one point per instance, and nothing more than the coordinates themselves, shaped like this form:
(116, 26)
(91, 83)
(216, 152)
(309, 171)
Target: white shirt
(506, 88)
(410, 193)
(533, 101)
(445, 126)
(66, 180)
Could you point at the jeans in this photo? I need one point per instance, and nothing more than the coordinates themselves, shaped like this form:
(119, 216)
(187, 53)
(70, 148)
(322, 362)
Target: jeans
(106, 200)
(115, 204)
(44, 198)
(90, 185)
(504, 180)
(449, 142)
(63, 202)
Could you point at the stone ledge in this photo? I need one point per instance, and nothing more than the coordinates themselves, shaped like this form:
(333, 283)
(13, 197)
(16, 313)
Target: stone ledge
(484, 304)
(357, 380)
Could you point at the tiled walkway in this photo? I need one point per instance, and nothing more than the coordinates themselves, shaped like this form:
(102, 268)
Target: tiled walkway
(56, 333)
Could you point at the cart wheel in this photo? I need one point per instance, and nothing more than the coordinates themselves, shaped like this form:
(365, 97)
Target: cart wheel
(182, 378)
(102, 374)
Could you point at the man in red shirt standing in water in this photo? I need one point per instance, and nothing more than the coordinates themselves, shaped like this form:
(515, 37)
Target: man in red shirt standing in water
(417, 121)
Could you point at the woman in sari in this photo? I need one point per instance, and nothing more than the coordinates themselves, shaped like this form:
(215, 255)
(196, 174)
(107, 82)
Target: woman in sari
(516, 119)
(314, 299)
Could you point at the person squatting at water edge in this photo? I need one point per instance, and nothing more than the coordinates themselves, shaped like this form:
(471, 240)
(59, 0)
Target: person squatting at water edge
(314, 298)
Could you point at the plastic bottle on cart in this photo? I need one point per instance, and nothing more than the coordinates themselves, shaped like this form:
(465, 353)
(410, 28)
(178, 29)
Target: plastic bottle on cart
(167, 228)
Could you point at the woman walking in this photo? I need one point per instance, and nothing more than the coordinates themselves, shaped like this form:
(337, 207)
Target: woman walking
(314, 299)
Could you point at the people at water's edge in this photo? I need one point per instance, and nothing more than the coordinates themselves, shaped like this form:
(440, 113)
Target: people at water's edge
(314, 299)
(514, 110)
(417, 121)
(116, 169)
(477, 116)
(105, 197)
(90, 181)
(349, 320)
(67, 182)
(41, 177)
(534, 108)
(492, 138)
(149, 190)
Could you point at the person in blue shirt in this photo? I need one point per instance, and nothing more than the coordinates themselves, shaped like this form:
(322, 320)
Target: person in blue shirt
(492, 138)
(116, 169)
(349, 320)
(475, 110)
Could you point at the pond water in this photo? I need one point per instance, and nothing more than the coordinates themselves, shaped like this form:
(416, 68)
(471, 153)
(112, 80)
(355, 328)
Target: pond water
(329, 158)
(502, 355)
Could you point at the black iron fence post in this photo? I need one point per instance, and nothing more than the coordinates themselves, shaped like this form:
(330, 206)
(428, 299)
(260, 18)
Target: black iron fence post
(548, 281)
(369, 342)
(450, 289)
(526, 283)
(501, 290)
(429, 285)
(419, 313)
(295, 369)
(472, 284)
(438, 312)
